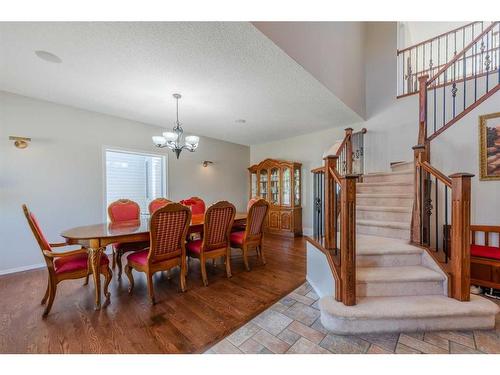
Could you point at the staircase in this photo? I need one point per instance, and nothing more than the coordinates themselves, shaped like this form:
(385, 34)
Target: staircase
(384, 202)
(399, 287)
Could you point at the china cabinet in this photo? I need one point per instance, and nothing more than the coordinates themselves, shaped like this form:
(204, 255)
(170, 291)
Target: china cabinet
(279, 183)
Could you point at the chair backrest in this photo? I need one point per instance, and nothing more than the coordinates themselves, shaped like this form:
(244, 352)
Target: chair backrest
(124, 210)
(255, 219)
(219, 219)
(37, 232)
(196, 204)
(251, 201)
(157, 203)
(168, 228)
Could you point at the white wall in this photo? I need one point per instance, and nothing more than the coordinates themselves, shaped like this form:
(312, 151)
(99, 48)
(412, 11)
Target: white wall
(60, 174)
(333, 52)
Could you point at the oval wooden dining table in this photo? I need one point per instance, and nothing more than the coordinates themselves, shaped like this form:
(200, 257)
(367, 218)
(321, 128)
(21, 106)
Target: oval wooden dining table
(96, 237)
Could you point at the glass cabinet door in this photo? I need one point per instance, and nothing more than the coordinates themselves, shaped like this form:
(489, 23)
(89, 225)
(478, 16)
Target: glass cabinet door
(253, 183)
(275, 188)
(296, 183)
(263, 183)
(286, 187)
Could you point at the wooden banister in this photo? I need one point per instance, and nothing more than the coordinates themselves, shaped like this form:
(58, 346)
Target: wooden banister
(460, 235)
(400, 51)
(430, 169)
(330, 203)
(348, 239)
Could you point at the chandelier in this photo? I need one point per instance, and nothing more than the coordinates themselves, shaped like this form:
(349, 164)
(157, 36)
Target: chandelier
(175, 139)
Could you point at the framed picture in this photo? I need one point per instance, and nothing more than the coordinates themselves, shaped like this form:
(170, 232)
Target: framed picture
(489, 146)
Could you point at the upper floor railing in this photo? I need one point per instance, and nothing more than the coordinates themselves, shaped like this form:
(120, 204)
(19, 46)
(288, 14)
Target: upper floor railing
(430, 56)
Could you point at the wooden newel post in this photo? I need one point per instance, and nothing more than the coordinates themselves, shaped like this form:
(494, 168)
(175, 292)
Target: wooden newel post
(348, 239)
(422, 109)
(330, 192)
(460, 235)
(348, 150)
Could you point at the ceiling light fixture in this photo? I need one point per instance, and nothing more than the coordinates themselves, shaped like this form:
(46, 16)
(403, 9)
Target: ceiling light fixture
(174, 139)
(241, 121)
(206, 163)
(20, 142)
(49, 57)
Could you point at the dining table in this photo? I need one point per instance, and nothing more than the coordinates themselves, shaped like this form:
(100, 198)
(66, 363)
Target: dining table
(94, 238)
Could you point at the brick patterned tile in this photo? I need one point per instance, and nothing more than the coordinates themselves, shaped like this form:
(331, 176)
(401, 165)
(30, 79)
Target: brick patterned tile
(387, 341)
(315, 305)
(487, 341)
(304, 346)
(279, 307)
(288, 336)
(416, 335)
(244, 333)
(300, 298)
(461, 349)
(252, 347)
(437, 340)
(225, 347)
(319, 327)
(403, 349)
(287, 301)
(420, 345)
(460, 337)
(272, 321)
(303, 313)
(307, 332)
(271, 342)
(312, 294)
(344, 344)
(375, 349)
(303, 289)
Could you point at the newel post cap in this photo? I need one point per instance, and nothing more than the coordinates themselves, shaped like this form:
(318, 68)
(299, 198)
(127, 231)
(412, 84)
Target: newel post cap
(330, 157)
(461, 175)
(418, 147)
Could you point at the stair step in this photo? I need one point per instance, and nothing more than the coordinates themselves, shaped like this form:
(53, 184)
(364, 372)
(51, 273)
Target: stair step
(406, 314)
(384, 224)
(398, 281)
(402, 166)
(404, 176)
(373, 251)
(384, 187)
(383, 213)
(384, 199)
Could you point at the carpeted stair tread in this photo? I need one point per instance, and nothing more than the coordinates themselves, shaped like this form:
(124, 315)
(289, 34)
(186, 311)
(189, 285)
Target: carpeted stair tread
(396, 274)
(384, 224)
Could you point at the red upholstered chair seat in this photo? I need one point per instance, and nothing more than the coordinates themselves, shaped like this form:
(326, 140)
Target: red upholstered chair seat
(485, 251)
(139, 257)
(237, 238)
(194, 246)
(75, 263)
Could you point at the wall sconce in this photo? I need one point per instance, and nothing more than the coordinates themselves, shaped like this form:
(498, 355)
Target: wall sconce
(206, 163)
(20, 142)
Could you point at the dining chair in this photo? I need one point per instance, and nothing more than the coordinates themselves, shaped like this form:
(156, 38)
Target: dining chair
(168, 227)
(120, 211)
(215, 243)
(157, 203)
(241, 227)
(196, 204)
(63, 265)
(253, 233)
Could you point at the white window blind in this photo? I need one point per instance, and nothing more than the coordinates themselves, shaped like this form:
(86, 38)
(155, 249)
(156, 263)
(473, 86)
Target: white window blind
(135, 176)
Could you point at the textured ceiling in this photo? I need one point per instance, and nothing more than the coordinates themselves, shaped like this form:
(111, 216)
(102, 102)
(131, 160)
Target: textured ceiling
(225, 71)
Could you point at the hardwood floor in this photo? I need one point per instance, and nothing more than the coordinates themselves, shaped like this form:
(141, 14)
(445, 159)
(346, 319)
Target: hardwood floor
(179, 323)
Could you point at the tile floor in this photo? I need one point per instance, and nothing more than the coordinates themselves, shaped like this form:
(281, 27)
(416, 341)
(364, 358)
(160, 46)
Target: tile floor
(292, 325)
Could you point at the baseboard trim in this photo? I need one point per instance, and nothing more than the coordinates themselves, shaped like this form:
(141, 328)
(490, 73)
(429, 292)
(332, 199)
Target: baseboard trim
(21, 269)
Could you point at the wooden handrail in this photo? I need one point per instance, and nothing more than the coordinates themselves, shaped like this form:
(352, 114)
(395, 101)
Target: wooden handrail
(400, 51)
(433, 171)
(335, 175)
(458, 55)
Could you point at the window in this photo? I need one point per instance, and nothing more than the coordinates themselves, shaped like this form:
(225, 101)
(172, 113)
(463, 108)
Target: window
(135, 176)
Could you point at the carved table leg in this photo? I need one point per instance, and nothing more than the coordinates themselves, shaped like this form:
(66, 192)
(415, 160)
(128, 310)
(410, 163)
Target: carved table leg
(95, 252)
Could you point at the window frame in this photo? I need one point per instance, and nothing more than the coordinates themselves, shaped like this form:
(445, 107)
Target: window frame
(127, 150)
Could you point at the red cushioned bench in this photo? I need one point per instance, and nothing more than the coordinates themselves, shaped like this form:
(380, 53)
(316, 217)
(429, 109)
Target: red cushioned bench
(485, 256)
